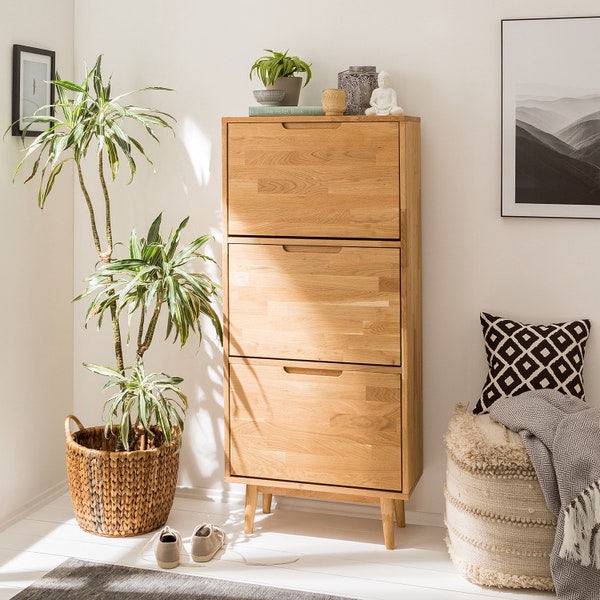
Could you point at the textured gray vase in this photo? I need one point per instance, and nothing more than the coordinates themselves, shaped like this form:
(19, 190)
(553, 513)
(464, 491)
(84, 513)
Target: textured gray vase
(358, 83)
(291, 86)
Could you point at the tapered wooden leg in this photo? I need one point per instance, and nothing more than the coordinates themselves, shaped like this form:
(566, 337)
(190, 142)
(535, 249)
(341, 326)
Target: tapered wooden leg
(399, 509)
(387, 519)
(266, 502)
(250, 508)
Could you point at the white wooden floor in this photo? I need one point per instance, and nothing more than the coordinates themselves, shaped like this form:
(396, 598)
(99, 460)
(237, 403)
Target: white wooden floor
(334, 554)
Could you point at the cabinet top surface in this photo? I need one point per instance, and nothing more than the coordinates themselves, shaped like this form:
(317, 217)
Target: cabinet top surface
(344, 118)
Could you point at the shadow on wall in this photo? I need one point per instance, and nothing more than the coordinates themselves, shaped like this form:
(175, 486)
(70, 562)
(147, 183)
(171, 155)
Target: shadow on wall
(201, 464)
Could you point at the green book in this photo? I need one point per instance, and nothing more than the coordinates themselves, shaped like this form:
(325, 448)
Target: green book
(275, 111)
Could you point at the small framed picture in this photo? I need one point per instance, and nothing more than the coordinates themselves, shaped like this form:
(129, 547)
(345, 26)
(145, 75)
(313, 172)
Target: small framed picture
(33, 91)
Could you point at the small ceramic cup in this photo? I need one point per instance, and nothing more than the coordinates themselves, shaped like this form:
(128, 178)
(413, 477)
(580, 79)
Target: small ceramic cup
(334, 101)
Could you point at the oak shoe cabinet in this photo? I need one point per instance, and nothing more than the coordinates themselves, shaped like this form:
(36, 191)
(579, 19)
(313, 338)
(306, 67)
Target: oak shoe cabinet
(322, 309)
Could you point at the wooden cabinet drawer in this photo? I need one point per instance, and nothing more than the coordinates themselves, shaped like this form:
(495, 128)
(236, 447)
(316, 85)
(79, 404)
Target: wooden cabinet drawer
(327, 179)
(311, 302)
(333, 424)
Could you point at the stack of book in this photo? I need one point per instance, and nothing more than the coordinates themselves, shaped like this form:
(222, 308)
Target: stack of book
(275, 111)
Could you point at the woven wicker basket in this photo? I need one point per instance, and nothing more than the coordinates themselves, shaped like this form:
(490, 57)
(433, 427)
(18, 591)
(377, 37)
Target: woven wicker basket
(118, 494)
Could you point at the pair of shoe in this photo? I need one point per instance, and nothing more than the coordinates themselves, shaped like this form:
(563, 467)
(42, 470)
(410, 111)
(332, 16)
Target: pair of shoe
(206, 541)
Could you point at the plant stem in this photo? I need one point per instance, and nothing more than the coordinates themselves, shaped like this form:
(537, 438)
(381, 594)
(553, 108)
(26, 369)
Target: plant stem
(108, 254)
(141, 329)
(90, 206)
(151, 328)
(117, 338)
(106, 257)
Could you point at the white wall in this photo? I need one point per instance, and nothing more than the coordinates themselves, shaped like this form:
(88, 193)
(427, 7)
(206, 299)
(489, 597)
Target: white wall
(444, 59)
(36, 317)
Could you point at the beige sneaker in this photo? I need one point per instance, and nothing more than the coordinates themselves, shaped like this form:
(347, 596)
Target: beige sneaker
(168, 548)
(207, 540)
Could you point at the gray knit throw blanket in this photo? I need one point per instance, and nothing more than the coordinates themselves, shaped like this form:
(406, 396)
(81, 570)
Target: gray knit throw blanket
(562, 437)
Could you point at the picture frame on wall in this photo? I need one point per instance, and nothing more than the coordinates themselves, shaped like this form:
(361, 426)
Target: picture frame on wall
(551, 117)
(32, 88)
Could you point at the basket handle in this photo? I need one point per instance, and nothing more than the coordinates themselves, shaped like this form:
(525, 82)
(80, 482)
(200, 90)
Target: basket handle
(68, 420)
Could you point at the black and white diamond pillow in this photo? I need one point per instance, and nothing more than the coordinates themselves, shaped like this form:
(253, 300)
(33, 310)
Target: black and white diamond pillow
(525, 357)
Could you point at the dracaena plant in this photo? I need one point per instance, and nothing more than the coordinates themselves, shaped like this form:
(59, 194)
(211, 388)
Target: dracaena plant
(89, 124)
(153, 277)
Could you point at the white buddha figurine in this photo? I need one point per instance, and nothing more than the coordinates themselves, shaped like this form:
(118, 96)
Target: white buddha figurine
(383, 99)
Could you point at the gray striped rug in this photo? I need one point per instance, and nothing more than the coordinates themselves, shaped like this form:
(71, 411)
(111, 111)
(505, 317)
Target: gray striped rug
(85, 580)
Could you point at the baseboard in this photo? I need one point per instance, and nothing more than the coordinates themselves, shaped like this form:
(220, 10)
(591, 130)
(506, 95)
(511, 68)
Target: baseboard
(233, 496)
(349, 509)
(38, 501)
(236, 496)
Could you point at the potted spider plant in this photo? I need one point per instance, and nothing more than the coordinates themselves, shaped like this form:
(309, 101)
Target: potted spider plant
(280, 71)
(123, 474)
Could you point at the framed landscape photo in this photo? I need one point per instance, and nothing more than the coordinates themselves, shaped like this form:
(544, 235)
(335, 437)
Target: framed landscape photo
(551, 117)
(32, 90)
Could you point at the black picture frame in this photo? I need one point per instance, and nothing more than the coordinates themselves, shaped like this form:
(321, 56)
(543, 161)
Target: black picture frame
(550, 113)
(32, 89)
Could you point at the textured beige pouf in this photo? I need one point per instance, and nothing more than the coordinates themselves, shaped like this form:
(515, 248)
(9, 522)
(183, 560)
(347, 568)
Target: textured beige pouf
(500, 532)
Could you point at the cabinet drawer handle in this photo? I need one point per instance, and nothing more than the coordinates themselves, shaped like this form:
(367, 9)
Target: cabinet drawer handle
(319, 249)
(308, 371)
(310, 125)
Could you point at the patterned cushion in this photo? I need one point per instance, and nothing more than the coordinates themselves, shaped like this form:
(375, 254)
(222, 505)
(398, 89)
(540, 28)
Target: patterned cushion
(525, 357)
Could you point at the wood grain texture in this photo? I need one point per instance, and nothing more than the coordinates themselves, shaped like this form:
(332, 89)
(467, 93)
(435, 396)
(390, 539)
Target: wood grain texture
(340, 181)
(330, 425)
(311, 302)
(322, 309)
(411, 284)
